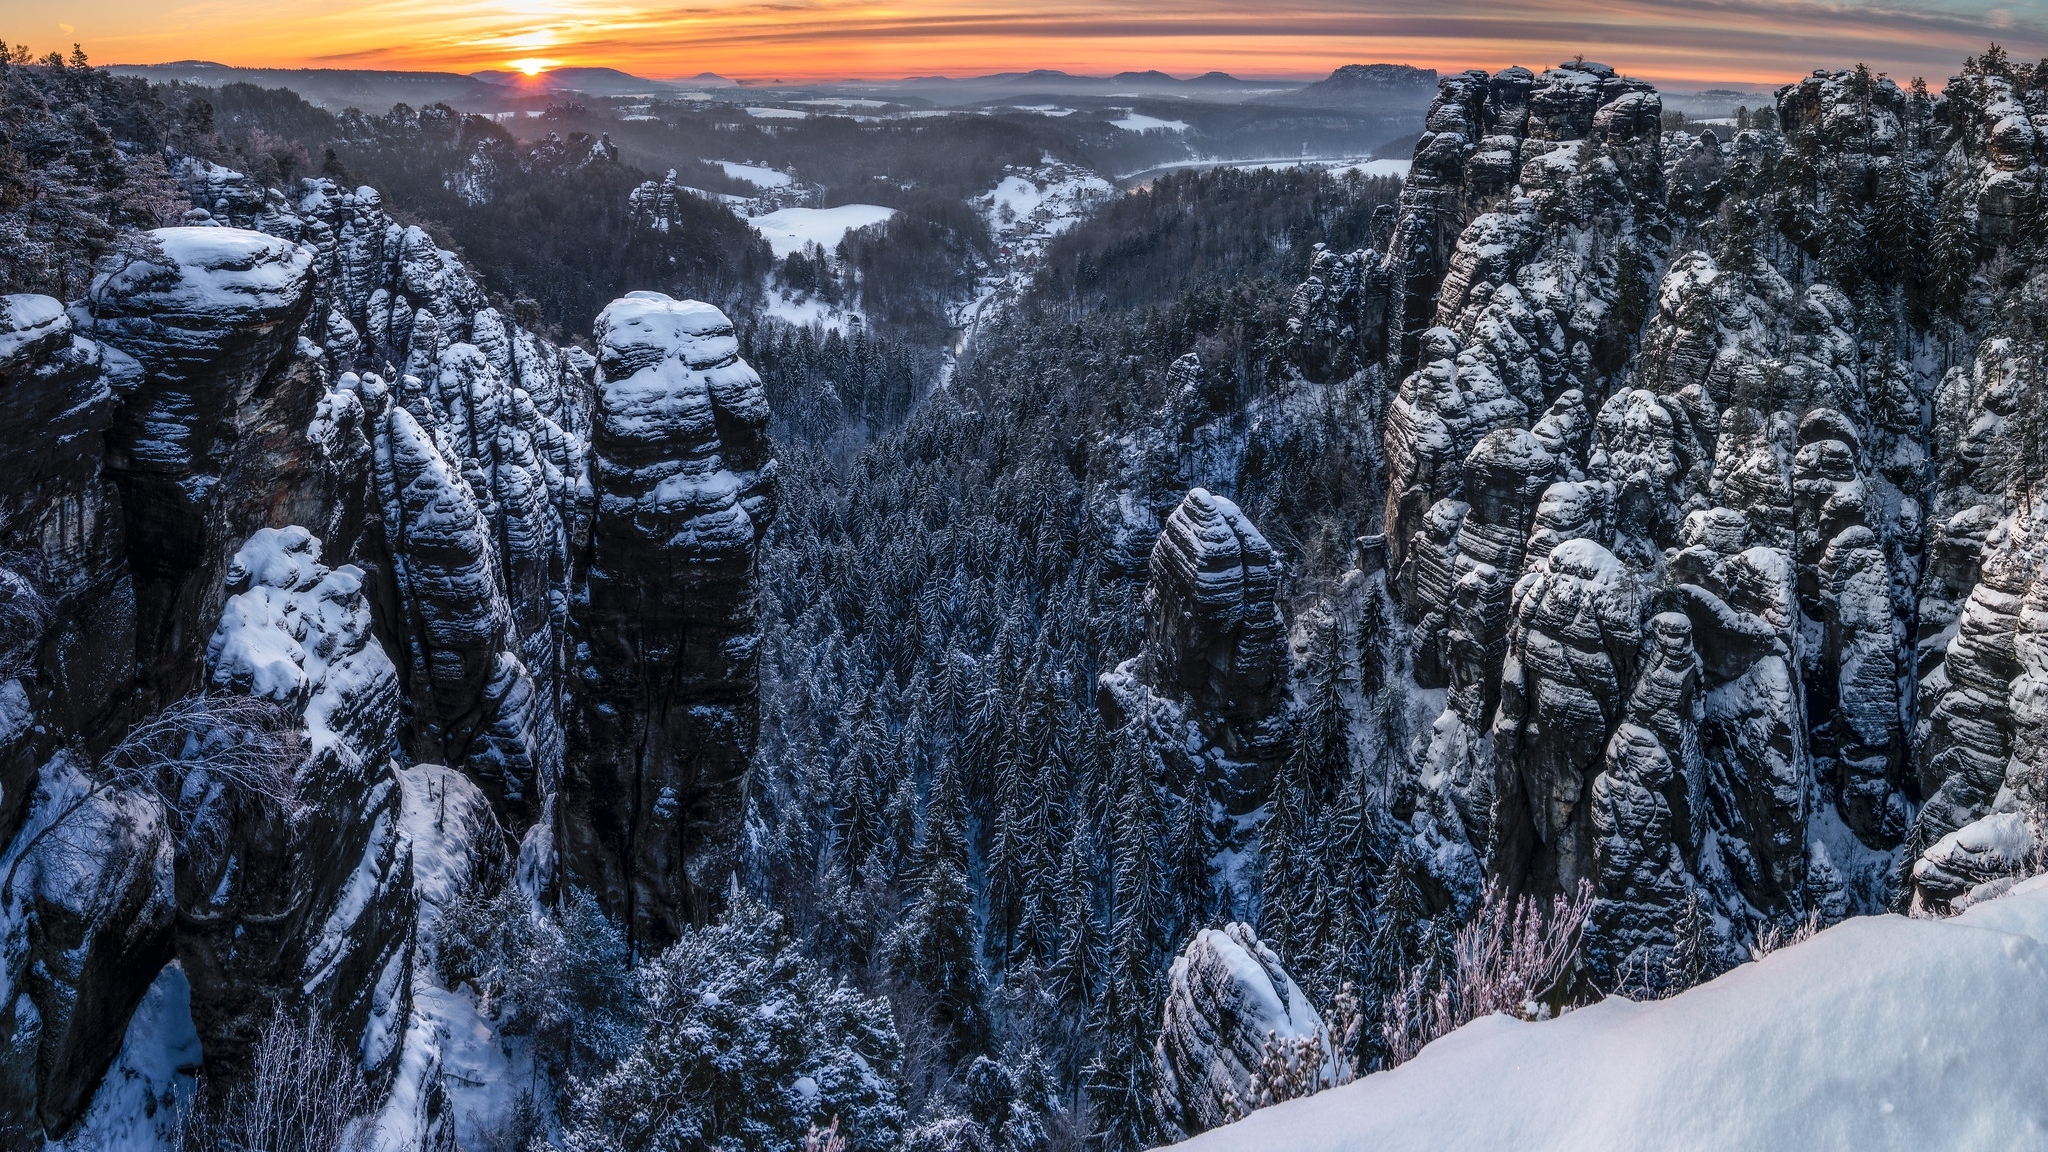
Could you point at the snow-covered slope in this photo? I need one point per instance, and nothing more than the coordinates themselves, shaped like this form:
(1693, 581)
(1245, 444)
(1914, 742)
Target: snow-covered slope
(1881, 1032)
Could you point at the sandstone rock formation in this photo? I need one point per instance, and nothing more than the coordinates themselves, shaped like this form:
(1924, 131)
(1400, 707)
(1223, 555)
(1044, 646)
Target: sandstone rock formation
(1715, 608)
(210, 320)
(666, 635)
(1227, 997)
(291, 455)
(1215, 648)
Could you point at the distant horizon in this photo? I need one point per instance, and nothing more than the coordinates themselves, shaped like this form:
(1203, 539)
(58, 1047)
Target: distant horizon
(1716, 43)
(505, 69)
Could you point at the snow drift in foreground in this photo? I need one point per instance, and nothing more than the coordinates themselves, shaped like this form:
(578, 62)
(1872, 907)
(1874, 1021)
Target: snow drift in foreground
(1879, 1033)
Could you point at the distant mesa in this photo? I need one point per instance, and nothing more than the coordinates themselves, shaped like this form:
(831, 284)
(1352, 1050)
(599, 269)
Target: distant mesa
(1360, 84)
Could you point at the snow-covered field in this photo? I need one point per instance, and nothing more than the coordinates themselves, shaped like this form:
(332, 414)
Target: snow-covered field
(789, 229)
(1135, 122)
(777, 113)
(1375, 168)
(1879, 1033)
(758, 175)
(1020, 206)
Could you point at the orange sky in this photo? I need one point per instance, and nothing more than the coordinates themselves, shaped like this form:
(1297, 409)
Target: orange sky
(1697, 41)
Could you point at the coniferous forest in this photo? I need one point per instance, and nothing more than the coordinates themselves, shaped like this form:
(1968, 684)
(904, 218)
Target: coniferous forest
(502, 649)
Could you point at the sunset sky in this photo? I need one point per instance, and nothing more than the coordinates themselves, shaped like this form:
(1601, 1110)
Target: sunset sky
(1696, 42)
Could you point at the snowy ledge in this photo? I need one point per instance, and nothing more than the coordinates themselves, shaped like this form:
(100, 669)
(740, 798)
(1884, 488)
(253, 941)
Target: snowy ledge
(1879, 1033)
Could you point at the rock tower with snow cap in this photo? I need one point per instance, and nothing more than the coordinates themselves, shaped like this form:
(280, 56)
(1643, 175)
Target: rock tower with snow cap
(664, 672)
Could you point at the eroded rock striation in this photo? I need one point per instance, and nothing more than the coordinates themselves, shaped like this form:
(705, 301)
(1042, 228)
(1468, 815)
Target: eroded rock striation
(1728, 591)
(1214, 656)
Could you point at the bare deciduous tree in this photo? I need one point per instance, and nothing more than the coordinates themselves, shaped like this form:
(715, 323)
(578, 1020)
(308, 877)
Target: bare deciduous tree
(242, 744)
(304, 1093)
(1774, 937)
(25, 611)
(826, 1139)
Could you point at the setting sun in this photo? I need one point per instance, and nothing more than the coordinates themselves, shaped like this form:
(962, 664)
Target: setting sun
(531, 66)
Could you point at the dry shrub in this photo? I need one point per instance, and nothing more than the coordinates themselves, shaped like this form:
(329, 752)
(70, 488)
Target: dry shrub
(1506, 959)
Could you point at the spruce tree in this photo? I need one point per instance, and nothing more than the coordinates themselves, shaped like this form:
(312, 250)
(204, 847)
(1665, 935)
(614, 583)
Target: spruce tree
(1634, 294)
(1691, 959)
(1294, 874)
(2031, 211)
(1285, 869)
(1038, 866)
(1899, 226)
(1135, 872)
(1120, 1080)
(1954, 255)
(1844, 242)
(1075, 972)
(936, 950)
(1191, 867)
(1006, 850)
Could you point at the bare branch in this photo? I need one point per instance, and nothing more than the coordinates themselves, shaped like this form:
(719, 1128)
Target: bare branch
(243, 743)
(304, 1094)
(25, 611)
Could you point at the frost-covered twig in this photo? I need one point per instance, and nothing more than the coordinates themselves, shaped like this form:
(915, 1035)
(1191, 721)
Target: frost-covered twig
(1775, 937)
(1346, 1027)
(242, 743)
(25, 611)
(1512, 953)
(826, 1139)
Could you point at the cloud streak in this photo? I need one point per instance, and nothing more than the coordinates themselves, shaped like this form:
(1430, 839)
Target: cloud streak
(1758, 41)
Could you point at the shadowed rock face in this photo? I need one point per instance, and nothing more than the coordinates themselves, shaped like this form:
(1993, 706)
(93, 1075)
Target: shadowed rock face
(98, 923)
(61, 517)
(98, 930)
(153, 437)
(310, 438)
(210, 319)
(1571, 660)
(1813, 547)
(500, 427)
(1213, 631)
(666, 686)
(314, 905)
